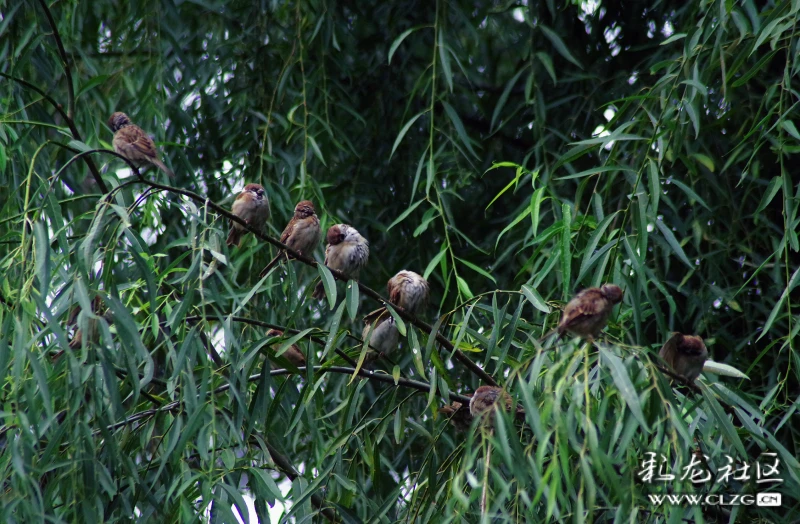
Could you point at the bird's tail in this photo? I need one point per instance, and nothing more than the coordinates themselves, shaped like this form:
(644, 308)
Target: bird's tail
(275, 261)
(163, 167)
(235, 236)
(551, 332)
(319, 291)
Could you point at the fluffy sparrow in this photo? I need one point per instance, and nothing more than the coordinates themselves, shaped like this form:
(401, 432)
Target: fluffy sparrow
(133, 143)
(587, 314)
(251, 206)
(384, 337)
(293, 354)
(302, 233)
(484, 399)
(459, 415)
(347, 251)
(407, 290)
(685, 354)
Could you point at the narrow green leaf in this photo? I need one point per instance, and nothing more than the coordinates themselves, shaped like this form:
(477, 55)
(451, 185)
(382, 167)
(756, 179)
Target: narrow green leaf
(462, 133)
(535, 298)
(92, 83)
(316, 149)
(723, 423)
(405, 214)
(566, 248)
(619, 372)
(333, 331)
(676, 36)
(444, 58)
(398, 320)
(399, 40)
(464, 287)
(476, 269)
(790, 128)
(772, 190)
(329, 283)
(352, 298)
(673, 243)
(501, 102)
(596, 170)
(432, 264)
(689, 192)
(403, 132)
(559, 44)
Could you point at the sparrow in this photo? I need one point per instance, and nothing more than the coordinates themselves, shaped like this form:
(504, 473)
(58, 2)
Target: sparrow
(685, 354)
(459, 415)
(484, 399)
(252, 206)
(347, 252)
(293, 354)
(92, 326)
(302, 233)
(407, 290)
(587, 313)
(384, 337)
(134, 144)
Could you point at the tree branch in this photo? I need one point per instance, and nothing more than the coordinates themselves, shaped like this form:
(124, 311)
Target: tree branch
(424, 326)
(287, 467)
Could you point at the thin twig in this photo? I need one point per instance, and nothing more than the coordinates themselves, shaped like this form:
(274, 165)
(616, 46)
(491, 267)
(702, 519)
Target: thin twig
(370, 375)
(286, 466)
(64, 58)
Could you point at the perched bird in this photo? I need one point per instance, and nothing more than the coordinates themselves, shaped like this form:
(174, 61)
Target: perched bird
(133, 143)
(92, 325)
(587, 314)
(384, 336)
(252, 206)
(685, 354)
(293, 354)
(407, 290)
(302, 233)
(484, 399)
(347, 252)
(459, 415)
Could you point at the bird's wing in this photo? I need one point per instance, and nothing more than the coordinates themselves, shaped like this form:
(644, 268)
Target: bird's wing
(587, 303)
(136, 139)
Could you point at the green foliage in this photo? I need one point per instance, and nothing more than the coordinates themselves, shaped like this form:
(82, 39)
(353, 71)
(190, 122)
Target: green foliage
(512, 152)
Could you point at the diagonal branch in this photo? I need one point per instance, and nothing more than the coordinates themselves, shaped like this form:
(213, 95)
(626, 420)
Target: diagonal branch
(289, 470)
(204, 201)
(424, 326)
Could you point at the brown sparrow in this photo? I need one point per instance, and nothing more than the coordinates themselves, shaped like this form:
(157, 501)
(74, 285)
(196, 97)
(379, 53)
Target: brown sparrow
(251, 206)
(484, 399)
(92, 334)
(347, 251)
(292, 354)
(384, 337)
(407, 290)
(459, 415)
(302, 233)
(685, 354)
(587, 314)
(133, 143)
